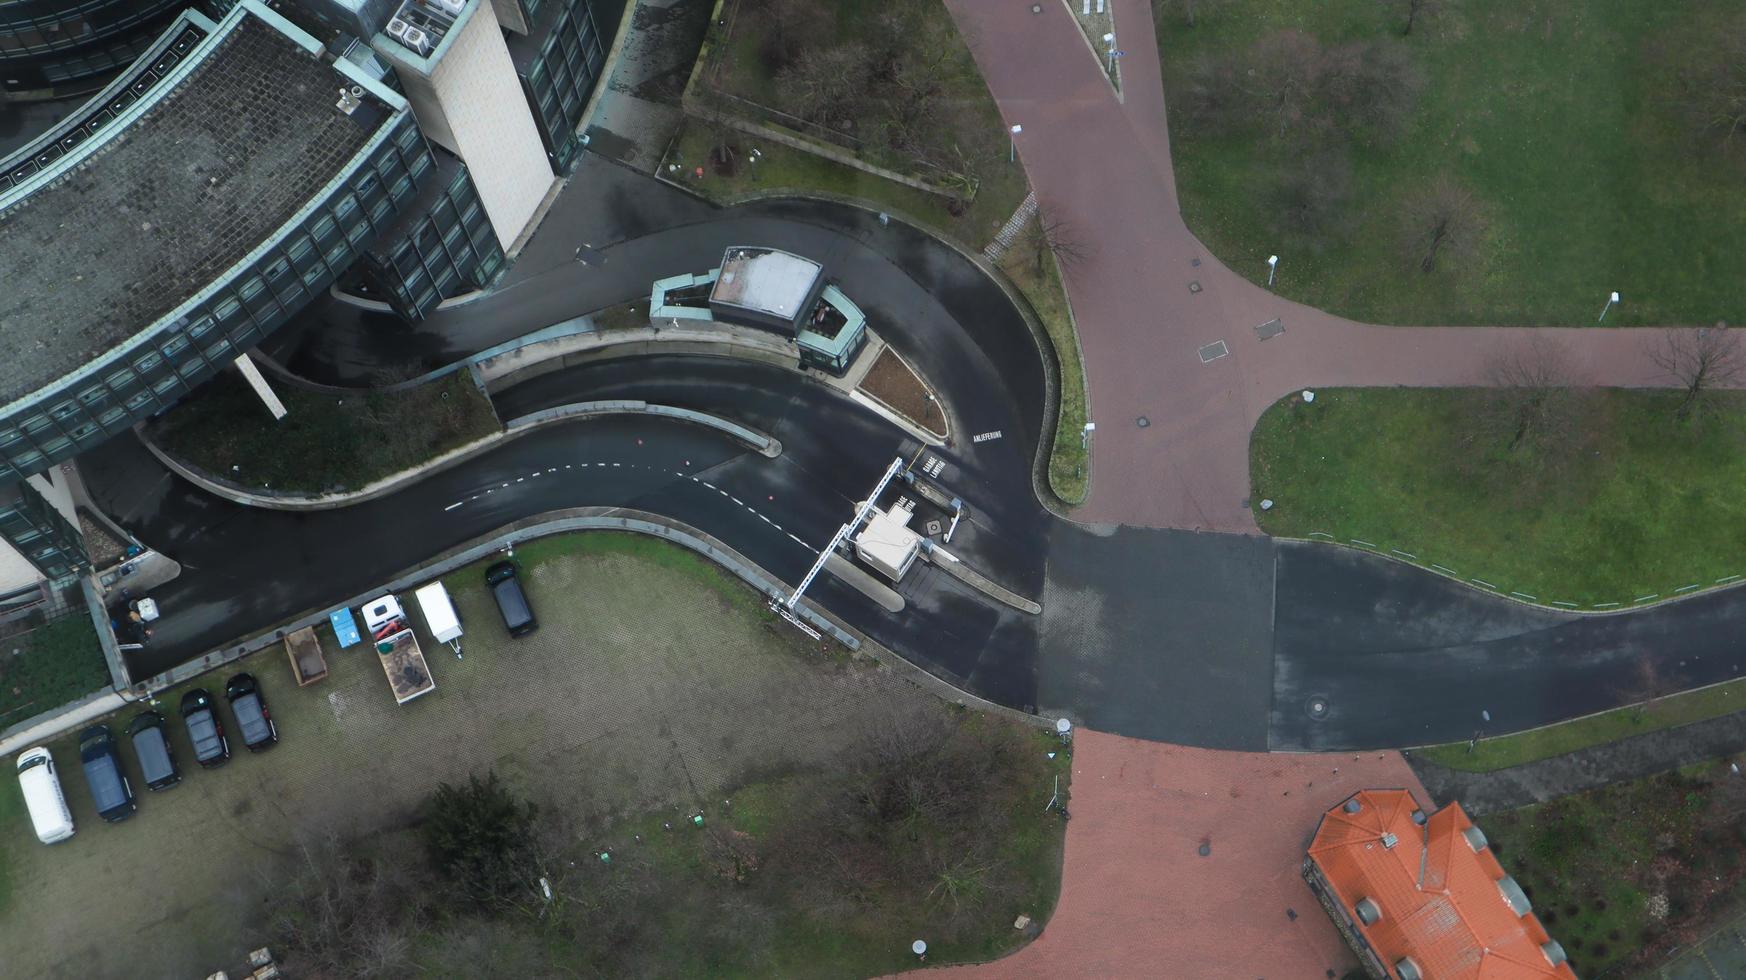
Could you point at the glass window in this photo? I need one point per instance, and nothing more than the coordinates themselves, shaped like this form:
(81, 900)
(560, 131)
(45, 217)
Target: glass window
(199, 328)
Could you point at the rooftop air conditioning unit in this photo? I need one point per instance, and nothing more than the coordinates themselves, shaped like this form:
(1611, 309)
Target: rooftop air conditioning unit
(414, 39)
(397, 28)
(451, 7)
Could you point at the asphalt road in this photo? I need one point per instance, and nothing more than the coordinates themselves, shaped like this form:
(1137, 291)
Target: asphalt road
(1225, 641)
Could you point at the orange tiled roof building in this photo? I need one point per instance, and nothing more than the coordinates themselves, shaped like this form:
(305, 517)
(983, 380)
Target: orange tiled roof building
(1424, 898)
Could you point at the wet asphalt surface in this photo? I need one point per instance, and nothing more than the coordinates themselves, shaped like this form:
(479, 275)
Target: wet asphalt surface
(1205, 639)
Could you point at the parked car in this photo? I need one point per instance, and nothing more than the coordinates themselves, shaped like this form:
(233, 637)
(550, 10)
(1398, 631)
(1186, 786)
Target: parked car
(110, 788)
(505, 587)
(253, 721)
(151, 745)
(205, 729)
(43, 797)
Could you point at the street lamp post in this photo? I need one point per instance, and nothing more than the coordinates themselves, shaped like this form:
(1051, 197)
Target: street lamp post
(1272, 264)
(1013, 156)
(1614, 298)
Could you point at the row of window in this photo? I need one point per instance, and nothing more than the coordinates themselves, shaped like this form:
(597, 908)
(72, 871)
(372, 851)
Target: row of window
(51, 25)
(454, 248)
(563, 77)
(41, 533)
(153, 375)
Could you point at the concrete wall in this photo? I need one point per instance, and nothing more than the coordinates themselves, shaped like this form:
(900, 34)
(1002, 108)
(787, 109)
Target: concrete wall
(491, 125)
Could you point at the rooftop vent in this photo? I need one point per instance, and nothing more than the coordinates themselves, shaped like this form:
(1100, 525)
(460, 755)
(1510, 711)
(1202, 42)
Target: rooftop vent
(1368, 911)
(1475, 838)
(1352, 805)
(1554, 952)
(1513, 895)
(1419, 817)
(1406, 969)
(350, 99)
(1389, 840)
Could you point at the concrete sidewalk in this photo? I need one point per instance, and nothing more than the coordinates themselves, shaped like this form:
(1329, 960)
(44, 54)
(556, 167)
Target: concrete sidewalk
(1632, 758)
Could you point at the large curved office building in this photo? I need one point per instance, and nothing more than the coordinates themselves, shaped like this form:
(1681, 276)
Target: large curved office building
(240, 165)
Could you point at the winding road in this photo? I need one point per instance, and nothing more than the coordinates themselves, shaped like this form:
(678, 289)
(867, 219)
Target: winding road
(1208, 639)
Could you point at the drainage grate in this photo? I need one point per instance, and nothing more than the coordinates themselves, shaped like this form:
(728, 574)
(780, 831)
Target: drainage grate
(1213, 351)
(1272, 328)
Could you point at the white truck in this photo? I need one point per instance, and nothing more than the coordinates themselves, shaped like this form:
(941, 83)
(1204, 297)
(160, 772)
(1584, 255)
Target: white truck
(439, 615)
(402, 660)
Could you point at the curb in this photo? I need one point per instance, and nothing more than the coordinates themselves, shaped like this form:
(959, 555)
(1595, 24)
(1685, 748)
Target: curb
(513, 429)
(1519, 598)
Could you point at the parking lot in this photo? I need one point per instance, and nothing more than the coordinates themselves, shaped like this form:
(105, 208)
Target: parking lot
(652, 681)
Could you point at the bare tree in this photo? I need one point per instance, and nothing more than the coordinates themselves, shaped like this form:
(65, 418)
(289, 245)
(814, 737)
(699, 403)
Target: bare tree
(793, 26)
(824, 82)
(1414, 9)
(1711, 88)
(1444, 224)
(1048, 235)
(1310, 196)
(1532, 402)
(1698, 362)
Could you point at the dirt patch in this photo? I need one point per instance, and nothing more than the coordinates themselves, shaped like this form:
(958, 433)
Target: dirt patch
(893, 384)
(618, 705)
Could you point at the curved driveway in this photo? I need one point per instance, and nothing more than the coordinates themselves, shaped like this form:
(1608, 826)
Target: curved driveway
(1206, 639)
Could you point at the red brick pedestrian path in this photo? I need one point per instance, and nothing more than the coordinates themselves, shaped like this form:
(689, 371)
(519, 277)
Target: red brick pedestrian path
(1103, 166)
(1138, 899)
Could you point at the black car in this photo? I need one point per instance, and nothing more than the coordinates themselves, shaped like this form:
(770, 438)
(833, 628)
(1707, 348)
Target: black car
(253, 722)
(505, 587)
(205, 729)
(110, 789)
(151, 745)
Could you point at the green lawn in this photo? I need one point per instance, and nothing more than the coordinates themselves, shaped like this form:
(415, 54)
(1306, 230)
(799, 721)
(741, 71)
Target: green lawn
(326, 441)
(1069, 463)
(1627, 504)
(1608, 726)
(1563, 120)
(49, 666)
(1620, 874)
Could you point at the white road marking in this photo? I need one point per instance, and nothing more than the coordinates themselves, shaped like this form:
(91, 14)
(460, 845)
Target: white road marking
(452, 506)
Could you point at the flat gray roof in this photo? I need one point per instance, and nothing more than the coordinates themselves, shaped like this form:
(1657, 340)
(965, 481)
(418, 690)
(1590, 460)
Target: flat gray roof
(765, 279)
(170, 202)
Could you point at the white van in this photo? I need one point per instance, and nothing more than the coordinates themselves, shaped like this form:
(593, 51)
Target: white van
(42, 796)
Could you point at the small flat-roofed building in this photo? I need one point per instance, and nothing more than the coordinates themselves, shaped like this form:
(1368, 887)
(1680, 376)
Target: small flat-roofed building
(766, 287)
(887, 543)
(772, 290)
(1422, 897)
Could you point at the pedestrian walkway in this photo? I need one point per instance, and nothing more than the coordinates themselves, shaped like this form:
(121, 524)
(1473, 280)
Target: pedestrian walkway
(1187, 862)
(1721, 956)
(1014, 227)
(1175, 354)
(1585, 769)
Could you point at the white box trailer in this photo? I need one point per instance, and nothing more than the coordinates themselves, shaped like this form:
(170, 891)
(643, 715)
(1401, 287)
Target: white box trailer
(439, 615)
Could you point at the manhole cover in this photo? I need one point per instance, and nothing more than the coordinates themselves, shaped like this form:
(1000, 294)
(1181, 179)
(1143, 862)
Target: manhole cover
(934, 527)
(1213, 351)
(1204, 849)
(1316, 706)
(1194, 286)
(1036, 8)
(1142, 421)
(1194, 262)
